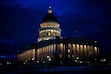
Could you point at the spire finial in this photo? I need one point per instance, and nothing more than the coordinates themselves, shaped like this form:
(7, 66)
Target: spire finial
(50, 9)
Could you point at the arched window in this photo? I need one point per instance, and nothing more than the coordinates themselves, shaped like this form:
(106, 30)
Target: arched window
(48, 33)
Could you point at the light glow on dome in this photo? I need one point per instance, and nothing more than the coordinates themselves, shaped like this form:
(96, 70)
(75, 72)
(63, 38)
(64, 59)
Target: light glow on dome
(49, 6)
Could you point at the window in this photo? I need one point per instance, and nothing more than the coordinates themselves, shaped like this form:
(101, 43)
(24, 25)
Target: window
(68, 50)
(48, 33)
(60, 56)
(68, 56)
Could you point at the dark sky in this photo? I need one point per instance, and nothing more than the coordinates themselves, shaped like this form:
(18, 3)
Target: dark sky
(21, 19)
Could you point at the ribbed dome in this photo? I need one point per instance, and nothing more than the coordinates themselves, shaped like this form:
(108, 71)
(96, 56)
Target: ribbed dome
(49, 18)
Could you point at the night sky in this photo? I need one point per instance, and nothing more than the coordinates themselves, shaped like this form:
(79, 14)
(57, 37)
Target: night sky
(21, 19)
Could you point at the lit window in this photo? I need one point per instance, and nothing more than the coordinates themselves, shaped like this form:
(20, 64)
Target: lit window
(60, 56)
(72, 56)
(77, 57)
(77, 46)
(48, 56)
(81, 48)
(32, 58)
(84, 48)
(49, 59)
(80, 61)
(76, 61)
(68, 50)
(48, 33)
(95, 48)
(43, 61)
(37, 61)
(61, 46)
(33, 50)
(68, 56)
(51, 30)
(8, 62)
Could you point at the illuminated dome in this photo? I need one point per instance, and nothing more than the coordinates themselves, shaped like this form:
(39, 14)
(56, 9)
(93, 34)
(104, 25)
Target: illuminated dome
(50, 17)
(49, 28)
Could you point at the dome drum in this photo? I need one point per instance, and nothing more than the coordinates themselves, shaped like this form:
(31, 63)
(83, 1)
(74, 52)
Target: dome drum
(50, 24)
(49, 34)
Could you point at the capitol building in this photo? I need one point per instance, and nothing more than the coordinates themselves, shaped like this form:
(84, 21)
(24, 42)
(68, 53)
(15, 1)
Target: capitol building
(51, 46)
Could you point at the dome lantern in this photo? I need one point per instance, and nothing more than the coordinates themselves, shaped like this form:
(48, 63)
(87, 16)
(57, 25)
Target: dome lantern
(49, 17)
